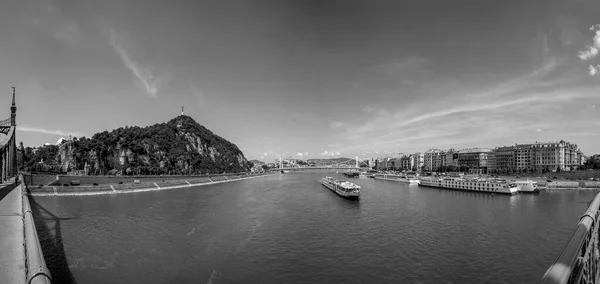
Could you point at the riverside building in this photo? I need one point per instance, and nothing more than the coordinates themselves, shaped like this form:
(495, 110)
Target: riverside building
(433, 160)
(538, 156)
(474, 160)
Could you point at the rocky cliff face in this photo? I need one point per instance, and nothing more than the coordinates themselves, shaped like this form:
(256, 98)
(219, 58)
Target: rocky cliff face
(178, 146)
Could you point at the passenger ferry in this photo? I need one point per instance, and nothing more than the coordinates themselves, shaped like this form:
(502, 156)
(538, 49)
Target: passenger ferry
(527, 186)
(398, 178)
(482, 185)
(343, 188)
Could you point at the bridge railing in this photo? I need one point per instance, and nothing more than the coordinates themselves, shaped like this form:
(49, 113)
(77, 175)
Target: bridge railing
(579, 260)
(37, 271)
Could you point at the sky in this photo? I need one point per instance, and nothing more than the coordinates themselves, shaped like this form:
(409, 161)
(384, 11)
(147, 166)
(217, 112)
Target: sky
(308, 79)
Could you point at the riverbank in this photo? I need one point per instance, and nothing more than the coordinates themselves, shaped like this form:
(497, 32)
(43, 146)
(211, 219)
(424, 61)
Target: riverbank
(106, 189)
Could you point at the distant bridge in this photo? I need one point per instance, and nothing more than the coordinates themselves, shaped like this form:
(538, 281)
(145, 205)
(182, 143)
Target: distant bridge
(317, 168)
(8, 145)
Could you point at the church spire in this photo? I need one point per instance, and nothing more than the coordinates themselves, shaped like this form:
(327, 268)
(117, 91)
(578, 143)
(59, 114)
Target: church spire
(13, 102)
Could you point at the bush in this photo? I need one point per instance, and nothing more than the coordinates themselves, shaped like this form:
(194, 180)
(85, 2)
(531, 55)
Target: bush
(95, 184)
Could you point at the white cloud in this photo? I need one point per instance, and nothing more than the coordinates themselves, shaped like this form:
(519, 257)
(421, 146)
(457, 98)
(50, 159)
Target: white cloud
(337, 153)
(328, 153)
(300, 154)
(589, 53)
(144, 75)
(48, 131)
(538, 130)
(594, 70)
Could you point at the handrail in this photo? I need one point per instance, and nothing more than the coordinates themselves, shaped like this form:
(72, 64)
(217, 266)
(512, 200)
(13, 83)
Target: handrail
(37, 272)
(579, 260)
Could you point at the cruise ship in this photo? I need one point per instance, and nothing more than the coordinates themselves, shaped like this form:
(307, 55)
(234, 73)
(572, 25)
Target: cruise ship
(343, 188)
(398, 178)
(527, 186)
(481, 185)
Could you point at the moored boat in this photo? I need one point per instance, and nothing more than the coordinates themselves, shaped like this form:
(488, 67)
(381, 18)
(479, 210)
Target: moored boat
(351, 174)
(527, 186)
(343, 188)
(398, 178)
(480, 185)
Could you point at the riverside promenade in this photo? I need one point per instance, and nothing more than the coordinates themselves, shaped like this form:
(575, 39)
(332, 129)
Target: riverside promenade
(12, 249)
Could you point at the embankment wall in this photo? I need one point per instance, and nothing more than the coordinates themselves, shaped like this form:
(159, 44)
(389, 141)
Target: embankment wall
(145, 185)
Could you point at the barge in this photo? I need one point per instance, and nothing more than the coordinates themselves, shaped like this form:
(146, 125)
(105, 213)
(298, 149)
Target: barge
(342, 188)
(398, 178)
(480, 185)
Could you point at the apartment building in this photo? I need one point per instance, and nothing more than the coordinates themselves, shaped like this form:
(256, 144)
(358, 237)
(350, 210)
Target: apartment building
(418, 161)
(474, 160)
(434, 160)
(501, 159)
(451, 158)
(407, 162)
(556, 155)
(536, 156)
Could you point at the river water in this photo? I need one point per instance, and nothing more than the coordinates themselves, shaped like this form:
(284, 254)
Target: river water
(288, 228)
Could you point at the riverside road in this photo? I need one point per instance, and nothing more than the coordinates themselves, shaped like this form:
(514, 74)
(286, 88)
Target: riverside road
(288, 228)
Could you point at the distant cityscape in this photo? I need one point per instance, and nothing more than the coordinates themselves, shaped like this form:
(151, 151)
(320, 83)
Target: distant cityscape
(533, 157)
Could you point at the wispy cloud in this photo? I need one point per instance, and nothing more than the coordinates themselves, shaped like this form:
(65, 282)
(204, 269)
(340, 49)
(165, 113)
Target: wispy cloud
(149, 82)
(526, 104)
(48, 131)
(48, 17)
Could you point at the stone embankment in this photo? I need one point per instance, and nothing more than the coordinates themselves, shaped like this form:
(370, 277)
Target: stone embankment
(118, 185)
(571, 185)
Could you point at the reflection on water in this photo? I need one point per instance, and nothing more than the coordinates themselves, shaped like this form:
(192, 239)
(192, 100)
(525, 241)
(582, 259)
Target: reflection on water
(288, 228)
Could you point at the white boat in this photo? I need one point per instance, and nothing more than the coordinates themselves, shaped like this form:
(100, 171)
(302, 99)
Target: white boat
(398, 178)
(481, 185)
(342, 188)
(527, 186)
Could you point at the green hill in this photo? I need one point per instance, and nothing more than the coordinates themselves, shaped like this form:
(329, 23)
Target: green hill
(178, 146)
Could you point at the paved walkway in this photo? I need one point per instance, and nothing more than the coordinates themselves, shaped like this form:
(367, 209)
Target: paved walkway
(12, 250)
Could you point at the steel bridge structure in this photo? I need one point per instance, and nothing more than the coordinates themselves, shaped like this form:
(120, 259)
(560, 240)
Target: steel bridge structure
(8, 145)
